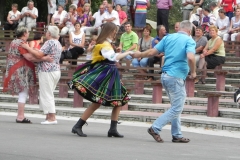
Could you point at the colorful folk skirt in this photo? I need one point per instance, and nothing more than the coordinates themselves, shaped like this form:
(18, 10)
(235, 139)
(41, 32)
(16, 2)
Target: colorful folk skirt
(100, 83)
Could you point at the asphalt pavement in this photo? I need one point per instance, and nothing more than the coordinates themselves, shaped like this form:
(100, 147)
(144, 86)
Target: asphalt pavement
(56, 142)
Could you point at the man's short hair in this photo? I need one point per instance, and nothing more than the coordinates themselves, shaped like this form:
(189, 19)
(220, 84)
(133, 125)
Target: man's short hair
(159, 27)
(127, 24)
(30, 1)
(200, 28)
(186, 25)
(221, 11)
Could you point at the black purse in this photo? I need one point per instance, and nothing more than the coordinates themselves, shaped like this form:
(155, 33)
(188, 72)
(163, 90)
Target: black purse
(65, 55)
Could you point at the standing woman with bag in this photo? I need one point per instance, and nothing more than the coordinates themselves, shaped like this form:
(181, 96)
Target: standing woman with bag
(99, 81)
(141, 12)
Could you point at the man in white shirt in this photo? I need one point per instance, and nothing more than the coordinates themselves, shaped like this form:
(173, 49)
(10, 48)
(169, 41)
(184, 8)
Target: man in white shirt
(187, 8)
(52, 6)
(98, 17)
(111, 16)
(29, 15)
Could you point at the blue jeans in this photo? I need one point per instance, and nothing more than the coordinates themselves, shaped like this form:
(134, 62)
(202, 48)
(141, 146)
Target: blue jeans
(128, 57)
(175, 89)
(142, 63)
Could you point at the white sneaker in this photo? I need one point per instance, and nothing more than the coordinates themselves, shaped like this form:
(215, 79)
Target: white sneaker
(49, 122)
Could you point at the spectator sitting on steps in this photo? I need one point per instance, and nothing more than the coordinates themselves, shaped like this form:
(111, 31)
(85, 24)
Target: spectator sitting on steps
(128, 42)
(69, 20)
(58, 17)
(98, 17)
(161, 31)
(12, 18)
(144, 44)
(29, 15)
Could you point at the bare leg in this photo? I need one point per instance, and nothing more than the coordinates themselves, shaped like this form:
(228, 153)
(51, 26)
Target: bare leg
(204, 72)
(201, 64)
(51, 117)
(46, 117)
(128, 63)
(20, 114)
(89, 111)
(115, 113)
(48, 19)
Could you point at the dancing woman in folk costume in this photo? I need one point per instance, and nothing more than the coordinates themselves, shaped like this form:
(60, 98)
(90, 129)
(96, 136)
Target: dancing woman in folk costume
(99, 82)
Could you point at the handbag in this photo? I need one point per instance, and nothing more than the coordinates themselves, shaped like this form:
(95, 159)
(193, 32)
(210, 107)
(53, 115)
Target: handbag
(65, 55)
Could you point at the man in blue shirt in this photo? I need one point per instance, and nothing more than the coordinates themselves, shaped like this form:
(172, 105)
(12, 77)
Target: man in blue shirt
(179, 50)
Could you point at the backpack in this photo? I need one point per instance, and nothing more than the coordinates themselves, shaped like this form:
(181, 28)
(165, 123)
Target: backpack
(237, 96)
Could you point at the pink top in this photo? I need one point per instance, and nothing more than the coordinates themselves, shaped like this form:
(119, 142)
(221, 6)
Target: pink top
(164, 4)
(122, 15)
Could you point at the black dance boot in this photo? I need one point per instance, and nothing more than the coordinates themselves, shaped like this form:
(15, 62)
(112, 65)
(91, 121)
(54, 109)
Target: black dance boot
(113, 130)
(77, 128)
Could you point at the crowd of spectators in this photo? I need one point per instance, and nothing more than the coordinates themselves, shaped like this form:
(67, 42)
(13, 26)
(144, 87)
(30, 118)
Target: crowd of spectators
(77, 21)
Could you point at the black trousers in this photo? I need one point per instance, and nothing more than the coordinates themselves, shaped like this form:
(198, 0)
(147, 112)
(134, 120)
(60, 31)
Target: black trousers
(162, 18)
(9, 26)
(152, 61)
(76, 52)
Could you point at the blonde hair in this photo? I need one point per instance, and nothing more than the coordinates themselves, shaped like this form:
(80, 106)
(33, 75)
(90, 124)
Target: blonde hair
(87, 5)
(213, 27)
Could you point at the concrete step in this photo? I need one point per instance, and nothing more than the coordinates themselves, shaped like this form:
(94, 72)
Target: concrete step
(142, 103)
(186, 119)
(144, 99)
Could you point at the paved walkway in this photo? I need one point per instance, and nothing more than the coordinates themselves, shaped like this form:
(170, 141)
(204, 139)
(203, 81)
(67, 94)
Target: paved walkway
(39, 142)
